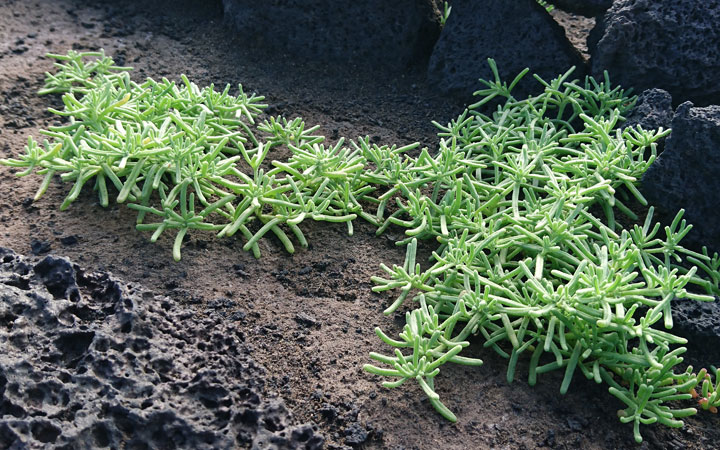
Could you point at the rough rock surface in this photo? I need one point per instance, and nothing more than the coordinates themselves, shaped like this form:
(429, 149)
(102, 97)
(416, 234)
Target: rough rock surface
(516, 34)
(394, 33)
(587, 8)
(686, 174)
(652, 110)
(88, 363)
(699, 323)
(668, 44)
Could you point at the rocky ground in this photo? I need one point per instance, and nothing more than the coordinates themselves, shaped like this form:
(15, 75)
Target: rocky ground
(121, 347)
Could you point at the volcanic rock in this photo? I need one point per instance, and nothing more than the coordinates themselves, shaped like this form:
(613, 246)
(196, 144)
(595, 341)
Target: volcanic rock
(699, 323)
(394, 33)
(668, 44)
(685, 175)
(653, 110)
(516, 34)
(87, 363)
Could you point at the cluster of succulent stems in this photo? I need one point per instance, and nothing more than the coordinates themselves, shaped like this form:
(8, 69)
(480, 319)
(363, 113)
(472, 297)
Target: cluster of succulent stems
(532, 206)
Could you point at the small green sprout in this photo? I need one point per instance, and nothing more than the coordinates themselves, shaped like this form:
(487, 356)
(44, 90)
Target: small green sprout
(445, 14)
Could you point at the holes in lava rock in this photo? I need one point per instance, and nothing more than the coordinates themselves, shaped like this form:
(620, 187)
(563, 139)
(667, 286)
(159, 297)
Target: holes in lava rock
(8, 436)
(101, 435)
(249, 417)
(273, 424)
(36, 397)
(126, 327)
(103, 368)
(102, 344)
(162, 365)
(64, 377)
(23, 268)
(139, 345)
(47, 393)
(100, 285)
(74, 345)
(303, 434)
(7, 320)
(18, 282)
(44, 432)
(223, 417)
(210, 395)
(246, 395)
(84, 313)
(243, 437)
(19, 309)
(8, 408)
(123, 419)
(58, 276)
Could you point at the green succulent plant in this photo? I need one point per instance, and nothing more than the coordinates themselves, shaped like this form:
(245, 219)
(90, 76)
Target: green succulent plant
(533, 206)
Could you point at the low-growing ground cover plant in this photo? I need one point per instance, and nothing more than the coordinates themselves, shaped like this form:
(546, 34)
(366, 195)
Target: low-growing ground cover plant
(512, 199)
(525, 262)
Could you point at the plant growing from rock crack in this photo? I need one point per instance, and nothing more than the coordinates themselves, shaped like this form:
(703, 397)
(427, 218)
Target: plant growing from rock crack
(548, 6)
(512, 198)
(447, 9)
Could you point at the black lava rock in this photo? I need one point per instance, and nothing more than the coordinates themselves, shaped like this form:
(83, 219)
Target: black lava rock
(38, 247)
(699, 323)
(69, 240)
(516, 34)
(653, 110)
(686, 174)
(587, 8)
(668, 44)
(393, 33)
(121, 370)
(355, 434)
(58, 276)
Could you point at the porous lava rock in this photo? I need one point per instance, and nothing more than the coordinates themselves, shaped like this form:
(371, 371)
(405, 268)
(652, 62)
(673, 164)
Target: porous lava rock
(89, 363)
(668, 44)
(686, 174)
(699, 323)
(393, 33)
(516, 34)
(653, 110)
(587, 8)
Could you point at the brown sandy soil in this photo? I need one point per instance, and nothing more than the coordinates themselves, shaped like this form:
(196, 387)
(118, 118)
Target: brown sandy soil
(310, 316)
(576, 28)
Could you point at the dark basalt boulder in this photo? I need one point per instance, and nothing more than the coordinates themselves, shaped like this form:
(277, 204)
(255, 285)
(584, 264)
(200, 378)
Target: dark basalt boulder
(699, 323)
(587, 8)
(393, 33)
(516, 34)
(653, 110)
(687, 174)
(668, 44)
(87, 363)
